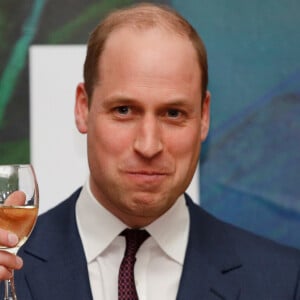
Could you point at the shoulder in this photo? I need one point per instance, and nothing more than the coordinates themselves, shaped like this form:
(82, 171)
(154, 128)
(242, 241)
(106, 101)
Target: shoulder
(259, 267)
(60, 211)
(251, 248)
(260, 252)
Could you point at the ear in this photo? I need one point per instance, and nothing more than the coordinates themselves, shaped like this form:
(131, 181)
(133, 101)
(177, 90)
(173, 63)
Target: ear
(81, 108)
(205, 116)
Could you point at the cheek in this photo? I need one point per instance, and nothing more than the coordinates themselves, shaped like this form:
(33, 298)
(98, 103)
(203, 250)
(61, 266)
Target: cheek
(109, 140)
(184, 144)
(185, 150)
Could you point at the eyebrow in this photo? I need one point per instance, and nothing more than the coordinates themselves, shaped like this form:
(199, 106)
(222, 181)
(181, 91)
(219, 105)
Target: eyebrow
(114, 100)
(180, 101)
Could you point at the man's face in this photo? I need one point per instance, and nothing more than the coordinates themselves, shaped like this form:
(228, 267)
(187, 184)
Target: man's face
(145, 124)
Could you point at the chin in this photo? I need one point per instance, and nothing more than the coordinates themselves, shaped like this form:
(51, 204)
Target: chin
(151, 204)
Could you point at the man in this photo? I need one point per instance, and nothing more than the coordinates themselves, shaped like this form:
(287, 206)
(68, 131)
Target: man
(144, 106)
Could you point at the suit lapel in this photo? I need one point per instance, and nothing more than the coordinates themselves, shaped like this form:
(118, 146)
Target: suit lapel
(56, 257)
(211, 268)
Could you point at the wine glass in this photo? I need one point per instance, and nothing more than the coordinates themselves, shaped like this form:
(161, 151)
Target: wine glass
(18, 209)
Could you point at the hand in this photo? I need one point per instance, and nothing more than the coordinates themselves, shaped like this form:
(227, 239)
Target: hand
(8, 261)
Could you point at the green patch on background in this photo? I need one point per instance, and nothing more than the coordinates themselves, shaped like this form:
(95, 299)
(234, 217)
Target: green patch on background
(16, 152)
(95, 11)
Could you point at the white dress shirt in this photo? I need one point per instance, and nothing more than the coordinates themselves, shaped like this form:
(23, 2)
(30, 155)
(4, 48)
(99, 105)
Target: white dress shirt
(160, 258)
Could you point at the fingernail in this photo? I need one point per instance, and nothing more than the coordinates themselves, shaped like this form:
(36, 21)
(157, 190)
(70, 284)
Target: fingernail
(12, 239)
(19, 261)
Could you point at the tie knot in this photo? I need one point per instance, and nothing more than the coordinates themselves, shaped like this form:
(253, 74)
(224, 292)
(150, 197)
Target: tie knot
(134, 239)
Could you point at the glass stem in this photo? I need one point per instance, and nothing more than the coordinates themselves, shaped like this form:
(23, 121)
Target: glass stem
(10, 293)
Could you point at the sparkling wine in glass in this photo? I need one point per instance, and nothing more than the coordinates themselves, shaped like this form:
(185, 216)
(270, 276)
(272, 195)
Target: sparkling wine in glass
(18, 208)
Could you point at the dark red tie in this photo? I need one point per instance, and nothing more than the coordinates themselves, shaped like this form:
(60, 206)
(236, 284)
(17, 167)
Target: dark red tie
(134, 239)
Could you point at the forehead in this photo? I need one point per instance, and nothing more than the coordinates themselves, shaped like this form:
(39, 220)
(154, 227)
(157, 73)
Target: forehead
(149, 37)
(152, 52)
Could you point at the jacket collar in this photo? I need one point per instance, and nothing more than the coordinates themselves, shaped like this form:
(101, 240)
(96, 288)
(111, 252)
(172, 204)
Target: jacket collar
(211, 268)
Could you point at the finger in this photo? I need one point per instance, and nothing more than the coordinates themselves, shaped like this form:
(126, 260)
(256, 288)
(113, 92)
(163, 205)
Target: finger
(5, 273)
(9, 262)
(8, 238)
(16, 198)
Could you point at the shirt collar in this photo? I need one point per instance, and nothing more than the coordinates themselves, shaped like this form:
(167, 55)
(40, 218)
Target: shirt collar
(98, 227)
(174, 236)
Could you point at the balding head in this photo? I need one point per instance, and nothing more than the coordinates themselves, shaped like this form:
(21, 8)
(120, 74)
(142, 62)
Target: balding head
(140, 17)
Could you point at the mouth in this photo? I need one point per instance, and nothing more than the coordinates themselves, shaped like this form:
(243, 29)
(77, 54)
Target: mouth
(147, 172)
(147, 177)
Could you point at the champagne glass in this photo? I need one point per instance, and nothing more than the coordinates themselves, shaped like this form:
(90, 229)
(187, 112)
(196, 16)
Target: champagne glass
(18, 209)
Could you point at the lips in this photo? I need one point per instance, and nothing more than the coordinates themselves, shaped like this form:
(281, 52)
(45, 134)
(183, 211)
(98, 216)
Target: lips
(146, 177)
(147, 172)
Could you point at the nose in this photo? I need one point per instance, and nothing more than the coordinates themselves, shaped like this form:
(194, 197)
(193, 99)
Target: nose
(148, 140)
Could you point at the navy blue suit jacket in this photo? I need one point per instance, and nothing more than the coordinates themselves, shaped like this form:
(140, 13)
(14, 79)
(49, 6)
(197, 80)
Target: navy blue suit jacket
(222, 262)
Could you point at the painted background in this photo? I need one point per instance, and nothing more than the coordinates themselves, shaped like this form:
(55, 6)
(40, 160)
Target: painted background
(251, 160)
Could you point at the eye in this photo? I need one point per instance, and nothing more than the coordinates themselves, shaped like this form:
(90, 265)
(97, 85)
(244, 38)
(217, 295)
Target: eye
(122, 110)
(173, 113)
